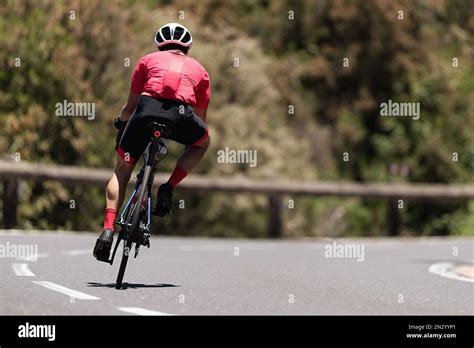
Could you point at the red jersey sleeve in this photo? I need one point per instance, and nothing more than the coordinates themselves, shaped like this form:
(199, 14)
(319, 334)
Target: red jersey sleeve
(203, 92)
(138, 77)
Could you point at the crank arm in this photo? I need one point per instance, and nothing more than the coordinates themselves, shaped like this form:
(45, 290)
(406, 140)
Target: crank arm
(115, 248)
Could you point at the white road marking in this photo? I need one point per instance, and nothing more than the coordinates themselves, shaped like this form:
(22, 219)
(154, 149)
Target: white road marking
(443, 269)
(22, 270)
(69, 292)
(217, 247)
(204, 247)
(77, 252)
(141, 311)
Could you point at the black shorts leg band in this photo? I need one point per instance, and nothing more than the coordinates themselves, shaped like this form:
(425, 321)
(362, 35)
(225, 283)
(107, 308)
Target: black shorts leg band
(202, 139)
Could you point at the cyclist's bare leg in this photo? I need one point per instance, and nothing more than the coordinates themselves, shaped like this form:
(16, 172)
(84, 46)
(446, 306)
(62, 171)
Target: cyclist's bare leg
(118, 183)
(186, 162)
(114, 195)
(192, 155)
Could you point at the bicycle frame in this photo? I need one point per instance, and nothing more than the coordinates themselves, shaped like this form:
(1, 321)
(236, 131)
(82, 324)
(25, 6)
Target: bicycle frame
(151, 158)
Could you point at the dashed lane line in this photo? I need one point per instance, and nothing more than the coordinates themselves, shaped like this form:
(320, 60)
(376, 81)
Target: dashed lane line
(22, 270)
(77, 252)
(141, 311)
(447, 270)
(66, 291)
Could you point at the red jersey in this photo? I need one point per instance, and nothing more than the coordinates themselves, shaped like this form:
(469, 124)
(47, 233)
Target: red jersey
(171, 75)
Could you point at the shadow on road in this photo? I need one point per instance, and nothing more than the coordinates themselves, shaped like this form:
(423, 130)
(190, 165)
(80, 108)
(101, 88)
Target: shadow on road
(131, 285)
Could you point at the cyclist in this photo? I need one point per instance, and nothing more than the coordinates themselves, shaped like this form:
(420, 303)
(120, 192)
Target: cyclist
(170, 88)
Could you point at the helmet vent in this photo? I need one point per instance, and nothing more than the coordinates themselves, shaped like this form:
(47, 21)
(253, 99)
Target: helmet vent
(178, 32)
(166, 33)
(158, 38)
(186, 38)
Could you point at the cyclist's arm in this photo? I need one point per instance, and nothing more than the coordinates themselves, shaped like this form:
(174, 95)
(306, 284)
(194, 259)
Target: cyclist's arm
(136, 88)
(129, 107)
(202, 113)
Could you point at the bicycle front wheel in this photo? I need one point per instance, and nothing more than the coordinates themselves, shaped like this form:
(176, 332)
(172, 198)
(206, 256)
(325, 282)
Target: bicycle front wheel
(134, 229)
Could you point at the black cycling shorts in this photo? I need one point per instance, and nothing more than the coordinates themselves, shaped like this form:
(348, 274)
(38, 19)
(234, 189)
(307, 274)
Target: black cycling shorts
(187, 128)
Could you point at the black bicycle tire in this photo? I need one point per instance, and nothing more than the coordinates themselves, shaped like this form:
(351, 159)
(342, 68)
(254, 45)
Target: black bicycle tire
(133, 228)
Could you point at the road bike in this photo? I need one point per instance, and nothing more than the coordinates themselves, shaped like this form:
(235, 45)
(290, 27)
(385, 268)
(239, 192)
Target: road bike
(135, 219)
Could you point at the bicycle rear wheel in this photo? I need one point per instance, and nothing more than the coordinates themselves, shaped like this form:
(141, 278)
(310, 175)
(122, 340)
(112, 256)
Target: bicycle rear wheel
(134, 228)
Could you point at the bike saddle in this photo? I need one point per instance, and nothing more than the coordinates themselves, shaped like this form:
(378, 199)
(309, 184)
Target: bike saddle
(159, 129)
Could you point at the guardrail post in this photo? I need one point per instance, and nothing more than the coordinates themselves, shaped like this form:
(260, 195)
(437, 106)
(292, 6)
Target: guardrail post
(274, 216)
(10, 202)
(393, 217)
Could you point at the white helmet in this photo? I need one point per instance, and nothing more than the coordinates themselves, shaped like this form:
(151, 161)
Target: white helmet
(173, 33)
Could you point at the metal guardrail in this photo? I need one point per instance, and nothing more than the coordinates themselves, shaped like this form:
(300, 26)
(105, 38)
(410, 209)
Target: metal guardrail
(274, 188)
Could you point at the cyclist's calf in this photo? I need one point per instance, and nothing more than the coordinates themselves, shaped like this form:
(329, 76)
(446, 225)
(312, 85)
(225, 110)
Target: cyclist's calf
(118, 183)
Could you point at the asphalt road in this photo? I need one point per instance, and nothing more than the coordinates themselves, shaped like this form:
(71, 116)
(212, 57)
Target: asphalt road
(219, 276)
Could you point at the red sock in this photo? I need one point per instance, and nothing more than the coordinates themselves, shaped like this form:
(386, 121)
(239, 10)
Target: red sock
(178, 175)
(109, 219)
